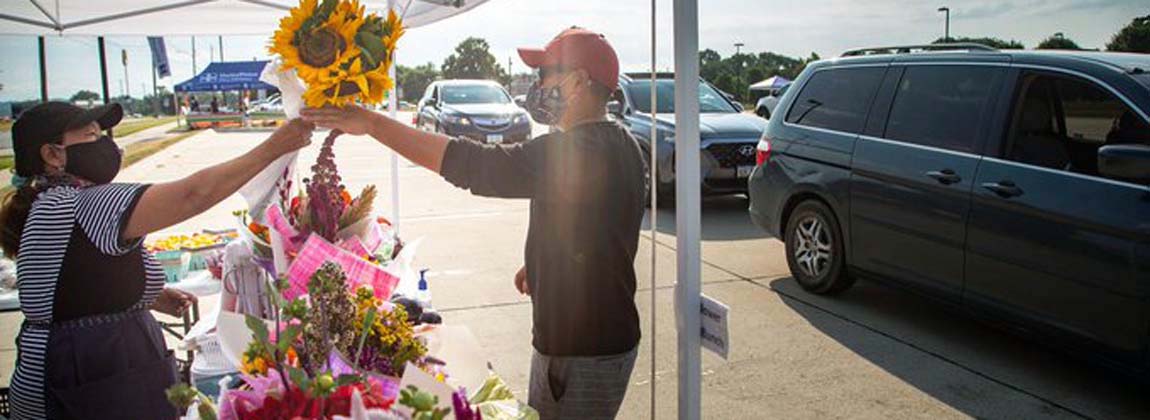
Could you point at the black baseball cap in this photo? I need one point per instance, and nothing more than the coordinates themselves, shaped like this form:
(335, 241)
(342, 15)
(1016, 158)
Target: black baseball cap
(47, 122)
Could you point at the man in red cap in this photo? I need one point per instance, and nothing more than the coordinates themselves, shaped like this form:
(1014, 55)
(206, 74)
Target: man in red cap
(587, 188)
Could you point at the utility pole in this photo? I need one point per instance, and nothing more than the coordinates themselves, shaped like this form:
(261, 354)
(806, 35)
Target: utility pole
(946, 32)
(738, 47)
(127, 84)
(221, 48)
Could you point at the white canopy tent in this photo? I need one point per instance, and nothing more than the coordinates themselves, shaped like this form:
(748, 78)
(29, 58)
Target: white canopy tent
(772, 83)
(247, 17)
(187, 17)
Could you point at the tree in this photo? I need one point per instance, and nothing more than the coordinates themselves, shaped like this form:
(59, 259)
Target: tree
(85, 95)
(986, 40)
(1058, 42)
(736, 73)
(414, 80)
(472, 59)
(1135, 37)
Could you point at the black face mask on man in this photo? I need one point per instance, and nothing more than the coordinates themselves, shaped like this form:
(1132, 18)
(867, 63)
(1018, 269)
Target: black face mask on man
(97, 161)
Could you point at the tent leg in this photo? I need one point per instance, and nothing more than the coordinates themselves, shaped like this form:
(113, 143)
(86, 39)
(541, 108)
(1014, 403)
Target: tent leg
(393, 111)
(43, 71)
(687, 217)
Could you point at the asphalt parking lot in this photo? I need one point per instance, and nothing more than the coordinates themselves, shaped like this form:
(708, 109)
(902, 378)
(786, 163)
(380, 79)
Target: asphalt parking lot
(873, 352)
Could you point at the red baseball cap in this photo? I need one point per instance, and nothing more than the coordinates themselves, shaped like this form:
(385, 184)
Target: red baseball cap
(577, 48)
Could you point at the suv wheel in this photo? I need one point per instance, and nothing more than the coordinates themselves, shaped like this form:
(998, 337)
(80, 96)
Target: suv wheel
(815, 249)
(666, 191)
(763, 112)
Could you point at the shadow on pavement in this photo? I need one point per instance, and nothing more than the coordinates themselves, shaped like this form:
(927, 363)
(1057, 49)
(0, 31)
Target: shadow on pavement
(724, 218)
(872, 319)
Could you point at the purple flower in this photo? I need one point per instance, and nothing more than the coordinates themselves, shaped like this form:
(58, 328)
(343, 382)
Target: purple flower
(463, 409)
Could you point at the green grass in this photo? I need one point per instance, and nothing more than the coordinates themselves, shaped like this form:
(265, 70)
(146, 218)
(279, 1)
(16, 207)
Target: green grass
(128, 128)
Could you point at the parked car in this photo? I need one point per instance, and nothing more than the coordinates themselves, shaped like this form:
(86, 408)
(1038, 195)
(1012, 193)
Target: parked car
(271, 104)
(766, 105)
(1014, 185)
(479, 110)
(727, 136)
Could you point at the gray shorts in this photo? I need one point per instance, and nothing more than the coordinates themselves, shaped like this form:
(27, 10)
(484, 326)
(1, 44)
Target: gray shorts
(579, 387)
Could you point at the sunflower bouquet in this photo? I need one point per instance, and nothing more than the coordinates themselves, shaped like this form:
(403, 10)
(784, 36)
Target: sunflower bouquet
(340, 52)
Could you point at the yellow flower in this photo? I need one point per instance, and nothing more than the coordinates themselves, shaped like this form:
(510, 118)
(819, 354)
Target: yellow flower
(254, 366)
(323, 48)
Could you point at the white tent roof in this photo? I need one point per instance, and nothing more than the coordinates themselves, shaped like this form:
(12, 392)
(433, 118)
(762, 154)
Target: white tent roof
(186, 17)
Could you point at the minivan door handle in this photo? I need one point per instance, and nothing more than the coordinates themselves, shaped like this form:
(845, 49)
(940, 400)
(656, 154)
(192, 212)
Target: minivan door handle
(945, 176)
(1004, 189)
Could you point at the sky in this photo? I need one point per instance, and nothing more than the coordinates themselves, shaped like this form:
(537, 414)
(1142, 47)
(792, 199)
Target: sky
(794, 28)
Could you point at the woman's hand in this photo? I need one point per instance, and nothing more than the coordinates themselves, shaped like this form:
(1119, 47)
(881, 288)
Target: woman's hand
(351, 119)
(521, 281)
(294, 135)
(174, 302)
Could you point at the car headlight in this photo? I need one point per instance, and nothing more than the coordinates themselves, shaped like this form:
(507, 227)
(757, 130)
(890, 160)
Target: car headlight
(457, 119)
(518, 119)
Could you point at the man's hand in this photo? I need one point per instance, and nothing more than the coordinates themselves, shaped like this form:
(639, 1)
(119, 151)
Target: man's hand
(521, 281)
(174, 302)
(351, 119)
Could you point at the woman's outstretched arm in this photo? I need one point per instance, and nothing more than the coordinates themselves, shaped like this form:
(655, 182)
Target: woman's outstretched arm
(166, 204)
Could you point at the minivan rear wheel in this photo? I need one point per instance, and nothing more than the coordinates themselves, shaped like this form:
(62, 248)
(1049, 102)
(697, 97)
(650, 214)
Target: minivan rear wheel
(814, 244)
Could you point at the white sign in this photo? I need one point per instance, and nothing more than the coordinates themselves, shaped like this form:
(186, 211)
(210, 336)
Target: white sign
(714, 332)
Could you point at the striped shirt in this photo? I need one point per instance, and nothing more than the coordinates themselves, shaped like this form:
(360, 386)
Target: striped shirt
(74, 266)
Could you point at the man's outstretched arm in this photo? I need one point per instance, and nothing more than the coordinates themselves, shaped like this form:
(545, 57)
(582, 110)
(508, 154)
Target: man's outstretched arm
(491, 171)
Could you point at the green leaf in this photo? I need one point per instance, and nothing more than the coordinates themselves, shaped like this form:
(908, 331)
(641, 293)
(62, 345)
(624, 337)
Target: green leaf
(287, 337)
(259, 330)
(371, 44)
(299, 378)
(344, 380)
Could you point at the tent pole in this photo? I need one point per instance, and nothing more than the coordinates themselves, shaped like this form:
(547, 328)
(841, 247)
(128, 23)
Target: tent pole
(43, 71)
(654, 213)
(687, 212)
(393, 111)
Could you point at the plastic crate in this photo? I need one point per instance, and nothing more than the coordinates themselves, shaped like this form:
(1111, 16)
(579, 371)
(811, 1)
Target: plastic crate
(175, 264)
(5, 410)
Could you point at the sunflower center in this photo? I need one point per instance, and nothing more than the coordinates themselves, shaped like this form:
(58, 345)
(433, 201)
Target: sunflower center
(320, 47)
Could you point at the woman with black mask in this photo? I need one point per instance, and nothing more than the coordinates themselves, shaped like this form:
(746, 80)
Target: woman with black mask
(89, 346)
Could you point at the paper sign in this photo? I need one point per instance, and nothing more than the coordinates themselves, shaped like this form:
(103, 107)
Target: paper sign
(715, 336)
(414, 376)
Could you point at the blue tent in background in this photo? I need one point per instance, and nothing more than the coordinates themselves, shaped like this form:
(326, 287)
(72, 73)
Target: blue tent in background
(227, 75)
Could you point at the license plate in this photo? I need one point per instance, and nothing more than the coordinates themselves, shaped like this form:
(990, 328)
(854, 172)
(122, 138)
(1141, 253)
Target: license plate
(745, 171)
(494, 138)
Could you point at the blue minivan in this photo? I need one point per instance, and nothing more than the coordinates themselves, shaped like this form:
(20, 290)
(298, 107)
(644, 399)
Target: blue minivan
(1014, 185)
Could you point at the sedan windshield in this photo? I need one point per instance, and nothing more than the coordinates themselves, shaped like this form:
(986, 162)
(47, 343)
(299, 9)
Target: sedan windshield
(474, 94)
(710, 100)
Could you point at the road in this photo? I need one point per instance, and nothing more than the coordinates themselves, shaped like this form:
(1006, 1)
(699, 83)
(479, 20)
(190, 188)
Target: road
(872, 353)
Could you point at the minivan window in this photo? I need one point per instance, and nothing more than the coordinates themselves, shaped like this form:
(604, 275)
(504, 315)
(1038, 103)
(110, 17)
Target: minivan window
(836, 99)
(942, 106)
(1060, 122)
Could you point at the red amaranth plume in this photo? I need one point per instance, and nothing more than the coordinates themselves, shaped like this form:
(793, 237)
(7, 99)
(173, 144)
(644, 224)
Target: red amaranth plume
(323, 191)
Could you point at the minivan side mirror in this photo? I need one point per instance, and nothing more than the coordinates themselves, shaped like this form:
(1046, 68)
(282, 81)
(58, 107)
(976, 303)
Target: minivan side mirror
(1125, 161)
(738, 106)
(615, 108)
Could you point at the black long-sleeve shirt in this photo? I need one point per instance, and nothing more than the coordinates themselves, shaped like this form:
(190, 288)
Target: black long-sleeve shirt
(586, 187)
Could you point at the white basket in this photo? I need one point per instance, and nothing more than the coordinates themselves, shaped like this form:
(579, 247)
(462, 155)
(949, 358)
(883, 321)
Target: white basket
(210, 360)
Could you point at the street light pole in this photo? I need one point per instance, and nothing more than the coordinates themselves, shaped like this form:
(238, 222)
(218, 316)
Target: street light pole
(738, 47)
(946, 33)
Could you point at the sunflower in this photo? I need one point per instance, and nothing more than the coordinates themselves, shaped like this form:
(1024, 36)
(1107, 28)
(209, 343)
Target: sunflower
(340, 52)
(317, 39)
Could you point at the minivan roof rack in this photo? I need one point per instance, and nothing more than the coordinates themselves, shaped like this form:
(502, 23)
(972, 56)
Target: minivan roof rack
(907, 49)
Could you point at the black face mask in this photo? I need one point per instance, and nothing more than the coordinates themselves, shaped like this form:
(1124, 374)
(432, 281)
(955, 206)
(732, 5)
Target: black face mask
(97, 161)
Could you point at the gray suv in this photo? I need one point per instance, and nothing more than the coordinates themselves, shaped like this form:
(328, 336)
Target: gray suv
(728, 136)
(1014, 185)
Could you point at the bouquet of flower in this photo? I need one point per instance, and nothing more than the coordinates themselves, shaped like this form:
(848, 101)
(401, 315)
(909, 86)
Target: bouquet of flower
(329, 351)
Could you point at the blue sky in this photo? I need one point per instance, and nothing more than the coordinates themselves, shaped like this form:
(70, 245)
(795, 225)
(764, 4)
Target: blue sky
(827, 27)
